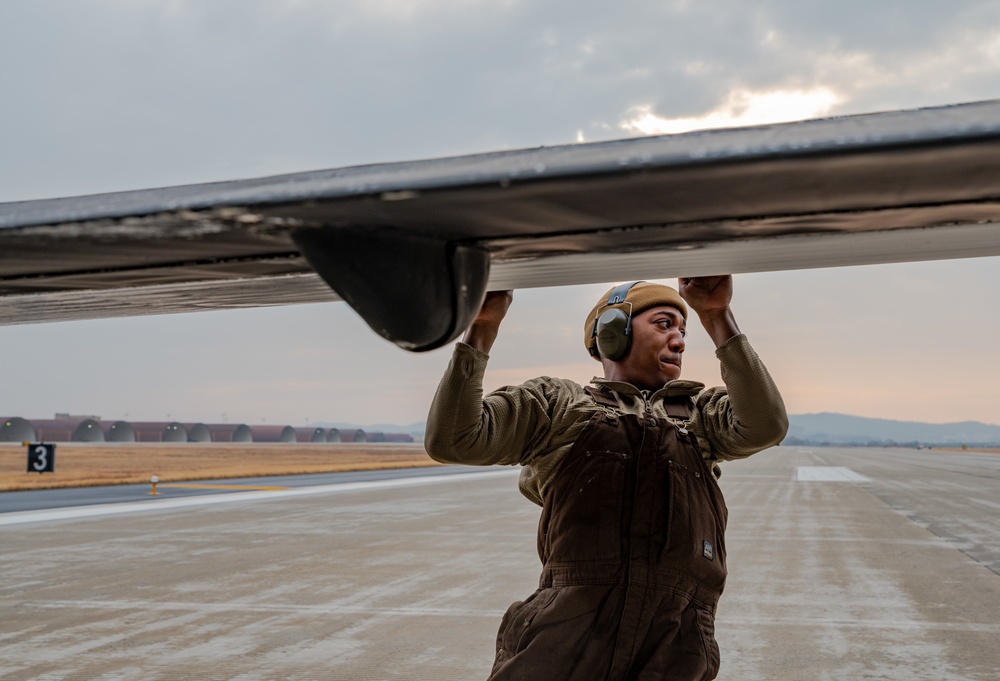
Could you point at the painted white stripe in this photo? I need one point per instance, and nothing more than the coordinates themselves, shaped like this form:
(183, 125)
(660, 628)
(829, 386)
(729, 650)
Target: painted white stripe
(242, 606)
(860, 623)
(984, 502)
(96, 510)
(828, 474)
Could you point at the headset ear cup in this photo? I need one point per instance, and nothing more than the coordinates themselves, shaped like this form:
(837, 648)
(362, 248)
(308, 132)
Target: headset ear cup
(612, 334)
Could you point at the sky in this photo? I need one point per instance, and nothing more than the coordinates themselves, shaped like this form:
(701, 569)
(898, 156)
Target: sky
(110, 95)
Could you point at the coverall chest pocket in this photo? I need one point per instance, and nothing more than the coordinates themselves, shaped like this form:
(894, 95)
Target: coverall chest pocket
(586, 507)
(696, 524)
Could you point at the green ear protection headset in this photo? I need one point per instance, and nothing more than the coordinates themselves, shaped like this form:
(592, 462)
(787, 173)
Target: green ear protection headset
(613, 328)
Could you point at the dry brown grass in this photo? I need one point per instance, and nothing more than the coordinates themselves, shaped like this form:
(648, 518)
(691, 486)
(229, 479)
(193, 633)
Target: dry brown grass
(982, 450)
(85, 465)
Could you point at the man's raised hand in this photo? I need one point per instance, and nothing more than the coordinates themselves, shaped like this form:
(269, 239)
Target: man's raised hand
(709, 297)
(483, 331)
(707, 294)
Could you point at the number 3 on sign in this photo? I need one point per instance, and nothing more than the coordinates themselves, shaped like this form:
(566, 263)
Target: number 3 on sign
(41, 458)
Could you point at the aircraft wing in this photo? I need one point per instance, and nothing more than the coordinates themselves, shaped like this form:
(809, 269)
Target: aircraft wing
(414, 246)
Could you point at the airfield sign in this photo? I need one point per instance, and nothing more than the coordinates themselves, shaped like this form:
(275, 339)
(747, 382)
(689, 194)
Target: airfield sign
(41, 458)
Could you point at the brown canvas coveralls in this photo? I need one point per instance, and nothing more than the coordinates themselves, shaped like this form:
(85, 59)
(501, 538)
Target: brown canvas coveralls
(631, 543)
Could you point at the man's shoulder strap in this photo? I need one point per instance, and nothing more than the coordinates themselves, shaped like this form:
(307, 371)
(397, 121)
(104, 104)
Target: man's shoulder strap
(678, 407)
(603, 397)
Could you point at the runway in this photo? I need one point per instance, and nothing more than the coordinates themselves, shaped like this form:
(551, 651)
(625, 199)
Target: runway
(844, 564)
(15, 502)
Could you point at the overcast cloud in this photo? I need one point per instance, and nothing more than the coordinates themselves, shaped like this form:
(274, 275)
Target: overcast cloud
(114, 94)
(106, 95)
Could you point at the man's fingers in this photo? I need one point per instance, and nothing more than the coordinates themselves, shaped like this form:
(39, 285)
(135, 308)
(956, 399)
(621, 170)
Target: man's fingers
(498, 299)
(495, 306)
(711, 291)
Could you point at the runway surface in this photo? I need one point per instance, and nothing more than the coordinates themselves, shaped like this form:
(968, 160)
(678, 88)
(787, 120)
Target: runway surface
(110, 494)
(844, 564)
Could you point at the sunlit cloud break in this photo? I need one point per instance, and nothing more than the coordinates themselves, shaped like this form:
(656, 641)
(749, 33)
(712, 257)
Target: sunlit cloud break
(740, 108)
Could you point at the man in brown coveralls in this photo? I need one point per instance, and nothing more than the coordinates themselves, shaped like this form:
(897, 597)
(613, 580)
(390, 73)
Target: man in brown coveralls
(632, 522)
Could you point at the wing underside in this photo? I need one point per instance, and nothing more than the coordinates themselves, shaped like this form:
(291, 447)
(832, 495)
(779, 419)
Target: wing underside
(413, 246)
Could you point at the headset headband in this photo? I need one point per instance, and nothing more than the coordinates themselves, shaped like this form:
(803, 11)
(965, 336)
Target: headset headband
(617, 297)
(619, 293)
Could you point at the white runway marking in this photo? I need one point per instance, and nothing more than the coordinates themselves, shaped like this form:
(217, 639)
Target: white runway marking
(811, 623)
(96, 510)
(321, 609)
(985, 502)
(828, 474)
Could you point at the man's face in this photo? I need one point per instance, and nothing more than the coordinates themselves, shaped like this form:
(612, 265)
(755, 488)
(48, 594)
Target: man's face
(654, 356)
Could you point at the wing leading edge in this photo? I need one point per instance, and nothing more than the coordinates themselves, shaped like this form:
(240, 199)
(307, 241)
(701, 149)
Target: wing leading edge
(413, 246)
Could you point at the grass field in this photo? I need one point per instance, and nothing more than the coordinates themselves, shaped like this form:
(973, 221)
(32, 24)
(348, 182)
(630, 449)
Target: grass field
(80, 465)
(987, 450)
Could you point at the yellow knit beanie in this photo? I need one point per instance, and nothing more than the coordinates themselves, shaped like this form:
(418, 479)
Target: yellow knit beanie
(642, 296)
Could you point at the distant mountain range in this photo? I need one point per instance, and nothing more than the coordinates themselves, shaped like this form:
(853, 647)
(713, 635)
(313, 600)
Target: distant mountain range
(816, 429)
(839, 429)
